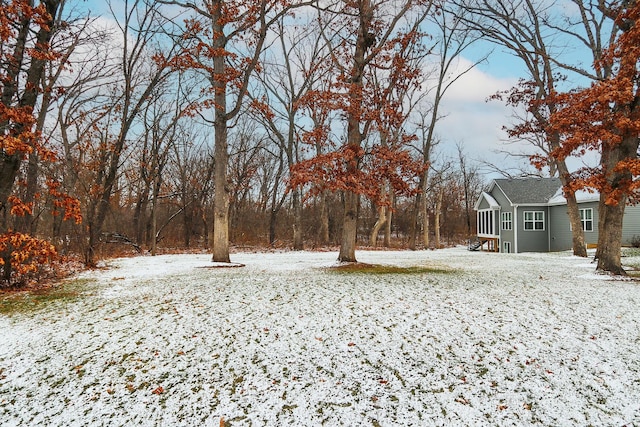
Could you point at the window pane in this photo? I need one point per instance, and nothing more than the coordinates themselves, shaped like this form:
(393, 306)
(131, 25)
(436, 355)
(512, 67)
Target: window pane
(490, 223)
(506, 220)
(586, 218)
(534, 220)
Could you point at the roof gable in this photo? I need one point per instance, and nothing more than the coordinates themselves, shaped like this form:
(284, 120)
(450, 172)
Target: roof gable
(490, 201)
(528, 191)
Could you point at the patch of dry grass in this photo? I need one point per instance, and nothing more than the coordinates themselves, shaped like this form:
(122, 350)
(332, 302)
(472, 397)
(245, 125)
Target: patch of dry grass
(364, 268)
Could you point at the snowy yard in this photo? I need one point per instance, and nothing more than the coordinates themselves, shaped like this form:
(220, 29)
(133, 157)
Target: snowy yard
(485, 339)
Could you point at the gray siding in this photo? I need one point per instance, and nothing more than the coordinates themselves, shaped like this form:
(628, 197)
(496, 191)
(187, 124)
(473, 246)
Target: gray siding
(590, 237)
(507, 235)
(505, 206)
(500, 198)
(533, 240)
(631, 224)
(483, 204)
(560, 229)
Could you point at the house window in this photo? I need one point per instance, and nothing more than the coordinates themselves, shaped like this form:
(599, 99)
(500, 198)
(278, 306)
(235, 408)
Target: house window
(534, 220)
(507, 221)
(586, 218)
(506, 247)
(485, 222)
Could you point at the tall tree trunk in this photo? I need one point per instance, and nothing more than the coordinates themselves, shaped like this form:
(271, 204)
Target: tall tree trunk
(382, 219)
(387, 232)
(436, 224)
(573, 210)
(154, 214)
(420, 204)
(423, 209)
(426, 224)
(8, 172)
(27, 223)
(610, 236)
(611, 215)
(413, 224)
(139, 214)
(324, 219)
(154, 226)
(273, 216)
(96, 222)
(92, 241)
(220, 241)
(10, 163)
(276, 205)
(354, 134)
(207, 234)
(350, 228)
(298, 243)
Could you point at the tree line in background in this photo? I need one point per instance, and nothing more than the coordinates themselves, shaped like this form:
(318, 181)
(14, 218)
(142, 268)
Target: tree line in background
(186, 124)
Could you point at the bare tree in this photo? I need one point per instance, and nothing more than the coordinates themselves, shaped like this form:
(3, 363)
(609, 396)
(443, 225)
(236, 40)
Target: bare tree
(469, 182)
(452, 40)
(81, 111)
(190, 172)
(227, 40)
(138, 77)
(290, 72)
(162, 119)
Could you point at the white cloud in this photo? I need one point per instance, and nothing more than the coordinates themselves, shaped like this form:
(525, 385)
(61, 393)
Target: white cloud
(475, 85)
(470, 119)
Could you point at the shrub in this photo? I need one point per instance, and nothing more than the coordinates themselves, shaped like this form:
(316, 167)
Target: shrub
(22, 257)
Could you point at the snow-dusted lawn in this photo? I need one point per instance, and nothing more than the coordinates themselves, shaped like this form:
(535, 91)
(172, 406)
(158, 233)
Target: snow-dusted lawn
(500, 340)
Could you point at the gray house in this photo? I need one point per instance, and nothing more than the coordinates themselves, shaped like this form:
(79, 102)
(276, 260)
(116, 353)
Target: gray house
(530, 215)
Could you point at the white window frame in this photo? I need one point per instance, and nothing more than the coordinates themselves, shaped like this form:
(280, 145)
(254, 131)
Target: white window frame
(584, 221)
(486, 223)
(506, 247)
(506, 221)
(535, 219)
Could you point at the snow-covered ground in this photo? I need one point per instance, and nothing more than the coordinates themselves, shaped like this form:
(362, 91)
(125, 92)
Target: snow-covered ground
(529, 339)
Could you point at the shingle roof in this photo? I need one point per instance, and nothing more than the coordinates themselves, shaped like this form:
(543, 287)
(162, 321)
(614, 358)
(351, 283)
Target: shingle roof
(582, 196)
(523, 191)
